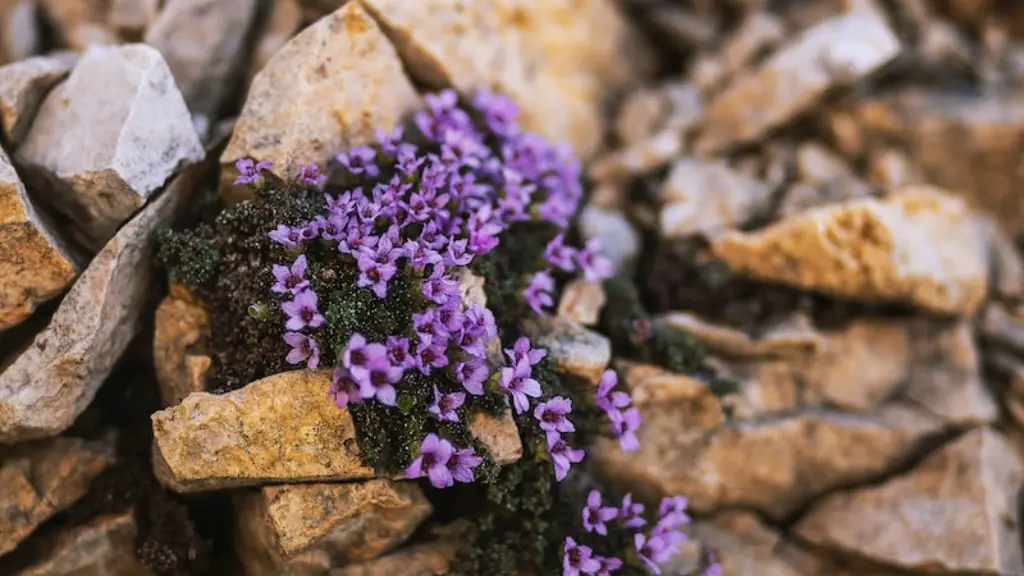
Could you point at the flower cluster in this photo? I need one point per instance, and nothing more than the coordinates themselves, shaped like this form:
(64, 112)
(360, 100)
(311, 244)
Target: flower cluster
(560, 256)
(624, 420)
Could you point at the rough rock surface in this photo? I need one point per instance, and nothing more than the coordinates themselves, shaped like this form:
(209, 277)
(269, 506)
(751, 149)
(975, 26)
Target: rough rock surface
(103, 547)
(919, 247)
(42, 478)
(620, 242)
(708, 197)
(284, 21)
(579, 353)
(53, 381)
(305, 528)
(430, 559)
(22, 88)
(582, 301)
(955, 512)
(181, 324)
(122, 101)
(326, 90)
(790, 336)
(80, 23)
(282, 428)
(19, 33)
(35, 264)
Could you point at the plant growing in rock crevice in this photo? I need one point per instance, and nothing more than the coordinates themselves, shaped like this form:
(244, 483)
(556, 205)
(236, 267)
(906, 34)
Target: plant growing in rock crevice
(365, 270)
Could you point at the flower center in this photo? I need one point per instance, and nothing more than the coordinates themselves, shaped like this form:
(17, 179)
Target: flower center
(307, 314)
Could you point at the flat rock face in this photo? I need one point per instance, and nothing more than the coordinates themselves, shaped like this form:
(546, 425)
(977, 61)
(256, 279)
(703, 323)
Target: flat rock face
(957, 512)
(791, 336)
(103, 547)
(919, 247)
(57, 376)
(297, 527)
(578, 352)
(433, 558)
(582, 301)
(22, 88)
(282, 428)
(326, 90)
(35, 265)
(122, 101)
(708, 197)
(42, 478)
(181, 323)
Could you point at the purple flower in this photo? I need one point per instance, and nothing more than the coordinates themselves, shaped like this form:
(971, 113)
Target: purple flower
(577, 559)
(462, 463)
(456, 255)
(333, 227)
(472, 374)
(398, 351)
(427, 324)
(355, 240)
(538, 292)
(303, 348)
(430, 355)
(290, 238)
(560, 255)
(606, 399)
(344, 388)
(290, 280)
(624, 426)
(408, 161)
(439, 287)
(672, 512)
(360, 160)
(419, 255)
(551, 415)
(522, 350)
(647, 549)
(443, 115)
(714, 567)
(302, 312)
(433, 461)
(358, 355)
(310, 175)
(562, 455)
(389, 141)
(517, 382)
(608, 565)
(595, 267)
(445, 406)
(450, 316)
(594, 515)
(499, 112)
(380, 381)
(377, 266)
(249, 171)
(482, 319)
(631, 512)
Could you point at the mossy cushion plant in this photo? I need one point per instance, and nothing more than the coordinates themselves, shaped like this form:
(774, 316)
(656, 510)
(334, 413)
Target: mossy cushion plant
(363, 268)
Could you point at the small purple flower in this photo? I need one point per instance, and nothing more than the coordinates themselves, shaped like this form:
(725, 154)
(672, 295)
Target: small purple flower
(631, 513)
(308, 231)
(606, 399)
(333, 227)
(595, 267)
(310, 175)
(538, 292)
(389, 141)
(398, 351)
(290, 280)
(472, 374)
(559, 255)
(608, 565)
(522, 350)
(360, 160)
(304, 348)
(302, 312)
(450, 316)
(594, 515)
(470, 340)
(380, 381)
(499, 112)
(562, 455)
(430, 356)
(577, 559)
(432, 461)
(462, 463)
(552, 415)
(443, 115)
(377, 267)
(714, 567)
(419, 255)
(445, 406)
(249, 171)
(672, 512)
(358, 355)
(290, 238)
(344, 388)
(427, 324)
(440, 287)
(355, 240)
(456, 255)
(624, 426)
(408, 162)
(483, 319)
(647, 549)
(517, 381)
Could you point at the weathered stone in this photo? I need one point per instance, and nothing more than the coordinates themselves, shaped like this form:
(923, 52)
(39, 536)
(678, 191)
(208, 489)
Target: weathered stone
(834, 53)
(955, 512)
(802, 196)
(181, 324)
(284, 20)
(789, 336)
(639, 158)
(202, 42)
(757, 33)
(19, 32)
(707, 197)
(131, 17)
(1003, 327)
(282, 428)
(123, 102)
(653, 386)
(891, 168)
(80, 23)
(42, 478)
(310, 528)
(672, 106)
(53, 381)
(1007, 271)
(1010, 367)
(578, 353)
(22, 88)
(103, 547)
(35, 265)
(433, 558)
(818, 165)
(681, 27)
(344, 81)
(620, 242)
(919, 247)
(582, 301)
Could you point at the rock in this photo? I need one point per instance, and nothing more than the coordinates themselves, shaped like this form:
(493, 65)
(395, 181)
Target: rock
(22, 88)
(891, 168)
(282, 428)
(680, 26)
(707, 197)
(310, 528)
(1003, 327)
(131, 17)
(1007, 272)
(19, 32)
(620, 242)
(35, 264)
(638, 159)
(757, 33)
(582, 302)
(836, 52)
(80, 23)
(202, 42)
(52, 382)
(802, 196)
(123, 102)
(919, 247)
(42, 478)
(790, 336)
(954, 512)
(316, 9)
(672, 106)
(284, 21)
(344, 79)
(433, 558)
(182, 323)
(818, 165)
(578, 353)
(651, 386)
(103, 547)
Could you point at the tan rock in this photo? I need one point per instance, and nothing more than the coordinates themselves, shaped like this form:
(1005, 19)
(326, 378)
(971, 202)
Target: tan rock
(651, 387)
(202, 42)
(123, 102)
(707, 197)
(834, 53)
(130, 18)
(433, 558)
(582, 301)
(817, 164)
(1003, 327)
(19, 31)
(282, 428)
(638, 159)
(42, 478)
(891, 168)
(672, 106)
(1010, 367)
(52, 382)
(306, 528)
(955, 512)
(802, 196)
(103, 547)
(22, 88)
(1007, 271)
(793, 335)
(620, 242)
(681, 26)
(758, 32)
(35, 264)
(182, 323)
(578, 353)
(873, 250)
(284, 20)
(80, 23)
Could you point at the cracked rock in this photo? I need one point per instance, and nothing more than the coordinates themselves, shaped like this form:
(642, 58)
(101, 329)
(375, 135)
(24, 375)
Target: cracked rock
(433, 558)
(578, 353)
(182, 323)
(23, 85)
(103, 547)
(708, 197)
(793, 335)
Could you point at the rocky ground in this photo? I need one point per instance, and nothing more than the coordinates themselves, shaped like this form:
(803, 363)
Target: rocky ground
(821, 192)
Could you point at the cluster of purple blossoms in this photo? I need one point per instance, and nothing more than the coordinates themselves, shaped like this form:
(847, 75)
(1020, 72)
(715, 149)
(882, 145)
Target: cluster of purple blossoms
(623, 419)
(588, 260)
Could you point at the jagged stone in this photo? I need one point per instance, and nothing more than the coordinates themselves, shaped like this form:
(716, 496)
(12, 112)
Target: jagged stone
(708, 197)
(80, 23)
(182, 323)
(582, 302)
(433, 558)
(578, 353)
(793, 335)
(19, 31)
(23, 85)
(284, 21)
(103, 547)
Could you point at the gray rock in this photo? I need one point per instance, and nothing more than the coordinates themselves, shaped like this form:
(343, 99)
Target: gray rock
(23, 85)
